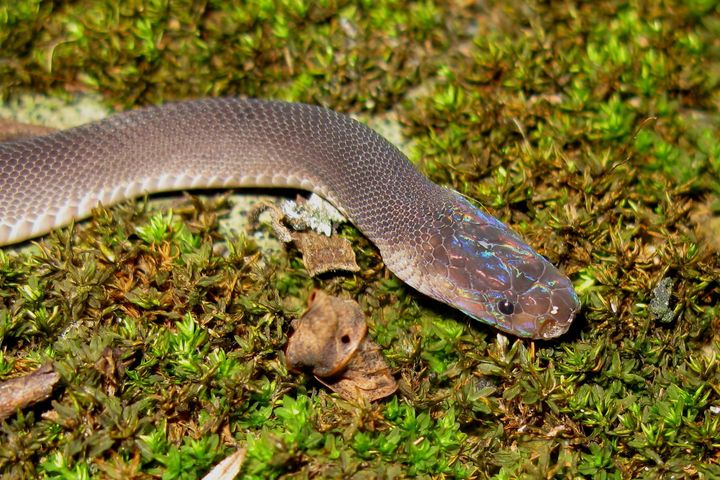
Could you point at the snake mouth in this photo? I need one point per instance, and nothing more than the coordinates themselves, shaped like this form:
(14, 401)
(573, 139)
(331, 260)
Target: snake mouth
(564, 304)
(547, 311)
(543, 327)
(539, 313)
(549, 327)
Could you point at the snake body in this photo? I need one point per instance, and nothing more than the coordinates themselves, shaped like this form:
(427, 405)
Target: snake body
(428, 235)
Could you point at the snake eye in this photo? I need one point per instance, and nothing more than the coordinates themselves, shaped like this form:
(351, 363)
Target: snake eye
(505, 307)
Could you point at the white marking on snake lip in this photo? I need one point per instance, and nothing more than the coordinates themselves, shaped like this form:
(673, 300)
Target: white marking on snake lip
(554, 310)
(200, 181)
(5, 232)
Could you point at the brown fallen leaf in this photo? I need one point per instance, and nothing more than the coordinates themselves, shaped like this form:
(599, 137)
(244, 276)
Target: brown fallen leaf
(18, 393)
(326, 336)
(366, 376)
(330, 340)
(323, 254)
(320, 253)
(111, 367)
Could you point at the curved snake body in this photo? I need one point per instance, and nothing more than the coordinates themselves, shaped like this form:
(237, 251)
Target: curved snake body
(429, 236)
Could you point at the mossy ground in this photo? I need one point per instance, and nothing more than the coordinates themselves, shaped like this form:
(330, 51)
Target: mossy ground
(591, 127)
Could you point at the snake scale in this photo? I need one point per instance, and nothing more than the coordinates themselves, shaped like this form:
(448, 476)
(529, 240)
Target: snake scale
(428, 235)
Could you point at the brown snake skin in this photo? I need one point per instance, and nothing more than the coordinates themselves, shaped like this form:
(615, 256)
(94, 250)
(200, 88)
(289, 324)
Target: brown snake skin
(429, 236)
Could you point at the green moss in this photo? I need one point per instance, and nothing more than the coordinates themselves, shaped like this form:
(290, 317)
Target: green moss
(592, 128)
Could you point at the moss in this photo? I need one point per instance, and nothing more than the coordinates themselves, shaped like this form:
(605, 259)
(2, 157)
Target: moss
(592, 128)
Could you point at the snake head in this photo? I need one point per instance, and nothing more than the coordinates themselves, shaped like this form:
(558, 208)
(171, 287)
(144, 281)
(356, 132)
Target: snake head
(484, 269)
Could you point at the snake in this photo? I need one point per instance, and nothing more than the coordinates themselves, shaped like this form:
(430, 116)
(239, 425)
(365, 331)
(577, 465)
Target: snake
(430, 236)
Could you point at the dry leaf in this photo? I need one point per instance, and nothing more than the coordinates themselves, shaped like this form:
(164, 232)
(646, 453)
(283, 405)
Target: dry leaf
(326, 336)
(331, 341)
(366, 376)
(325, 254)
(320, 253)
